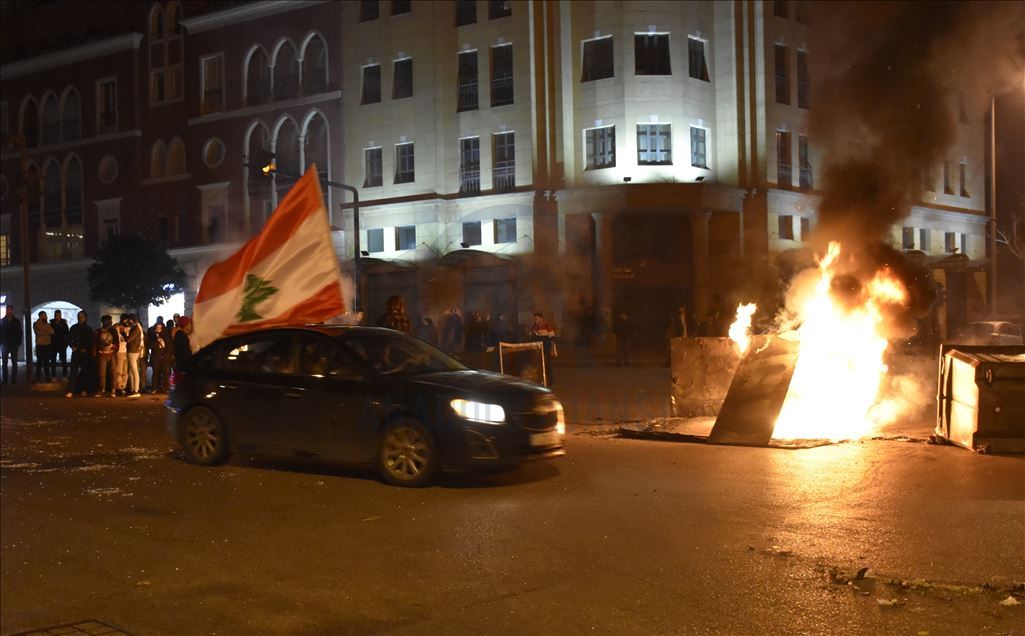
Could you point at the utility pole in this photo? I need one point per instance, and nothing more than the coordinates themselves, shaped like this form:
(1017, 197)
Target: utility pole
(993, 227)
(28, 189)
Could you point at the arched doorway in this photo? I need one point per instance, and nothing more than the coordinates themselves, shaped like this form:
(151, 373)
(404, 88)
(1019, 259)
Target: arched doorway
(69, 312)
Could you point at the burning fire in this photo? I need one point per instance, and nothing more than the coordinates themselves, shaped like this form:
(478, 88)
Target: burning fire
(740, 330)
(836, 390)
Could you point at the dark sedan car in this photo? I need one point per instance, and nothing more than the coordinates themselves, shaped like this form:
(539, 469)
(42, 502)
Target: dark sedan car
(362, 395)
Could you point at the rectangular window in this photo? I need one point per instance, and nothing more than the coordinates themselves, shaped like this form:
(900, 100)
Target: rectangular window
(786, 227)
(499, 9)
(963, 173)
(782, 75)
(907, 238)
(784, 178)
(654, 144)
(805, 228)
(964, 244)
(780, 8)
(466, 12)
(375, 240)
(402, 82)
(598, 60)
(696, 63)
(175, 83)
(471, 233)
(801, 11)
(505, 230)
(950, 242)
(804, 163)
(698, 147)
(372, 167)
(924, 240)
(405, 237)
(467, 81)
(404, 166)
(501, 75)
(469, 165)
(157, 86)
(398, 7)
(5, 239)
(212, 72)
(600, 148)
(369, 10)
(107, 106)
(803, 85)
(371, 84)
(503, 175)
(948, 188)
(651, 54)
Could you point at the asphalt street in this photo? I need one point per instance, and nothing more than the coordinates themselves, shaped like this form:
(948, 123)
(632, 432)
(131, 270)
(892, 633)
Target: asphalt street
(102, 520)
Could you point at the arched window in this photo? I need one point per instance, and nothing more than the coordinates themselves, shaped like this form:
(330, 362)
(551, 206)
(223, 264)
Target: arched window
(174, 26)
(176, 157)
(314, 66)
(71, 115)
(156, 22)
(316, 144)
(52, 196)
(286, 72)
(51, 120)
(257, 78)
(73, 193)
(32, 177)
(158, 160)
(258, 203)
(29, 122)
(286, 148)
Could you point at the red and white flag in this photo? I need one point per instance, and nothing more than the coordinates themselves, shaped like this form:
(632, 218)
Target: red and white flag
(286, 275)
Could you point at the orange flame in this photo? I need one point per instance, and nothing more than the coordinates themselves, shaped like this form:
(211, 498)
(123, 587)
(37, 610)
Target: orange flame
(740, 330)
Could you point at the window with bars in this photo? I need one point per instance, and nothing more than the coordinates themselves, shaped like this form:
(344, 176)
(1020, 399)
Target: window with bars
(786, 227)
(373, 167)
(696, 62)
(803, 84)
(651, 54)
(405, 237)
(469, 165)
(804, 163)
(782, 75)
(698, 147)
(468, 88)
(654, 144)
(375, 240)
(784, 177)
(907, 238)
(505, 230)
(600, 148)
(371, 84)
(950, 242)
(466, 12)
(501, 75)
(964, 244)
(503, 171)
(212, 74)
(471, 233)
(404, 165)
(369, 10)
(402, 79)
(499, 9)
(598, 60)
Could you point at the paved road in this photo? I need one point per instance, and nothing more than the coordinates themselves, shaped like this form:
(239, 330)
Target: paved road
(101, 520)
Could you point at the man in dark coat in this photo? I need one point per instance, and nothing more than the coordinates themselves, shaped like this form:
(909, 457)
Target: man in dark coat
(10, 341)
(182, 343)
(80, 337)
(59, 344)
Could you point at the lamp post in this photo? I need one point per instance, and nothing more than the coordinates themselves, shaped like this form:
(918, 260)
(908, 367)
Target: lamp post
(26, 192)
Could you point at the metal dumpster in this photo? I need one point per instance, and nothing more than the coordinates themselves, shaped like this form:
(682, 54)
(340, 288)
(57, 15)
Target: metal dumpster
(980, 398)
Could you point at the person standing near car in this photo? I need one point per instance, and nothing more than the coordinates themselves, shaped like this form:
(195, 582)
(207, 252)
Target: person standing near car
(159, 355)
(44, 338)
(541, 331)
(182, 343)
(59, 344)
(10, 341)
(80, 337)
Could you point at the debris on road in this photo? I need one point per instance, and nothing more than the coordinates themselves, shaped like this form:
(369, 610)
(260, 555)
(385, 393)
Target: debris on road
(1010, 601)
(888, 602)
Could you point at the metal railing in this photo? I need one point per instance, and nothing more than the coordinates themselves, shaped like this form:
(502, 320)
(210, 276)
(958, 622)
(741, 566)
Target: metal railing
(806, 180)
(468, 96)
(501, 91)
(469, 180)
(503, 176)
(784, 176)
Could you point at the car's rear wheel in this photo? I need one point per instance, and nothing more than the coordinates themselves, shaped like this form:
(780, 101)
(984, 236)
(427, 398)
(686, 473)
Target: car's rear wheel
(408, 454)
(204, 437)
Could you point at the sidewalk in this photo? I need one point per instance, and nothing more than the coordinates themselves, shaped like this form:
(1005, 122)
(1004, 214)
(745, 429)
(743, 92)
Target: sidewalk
(610, 394)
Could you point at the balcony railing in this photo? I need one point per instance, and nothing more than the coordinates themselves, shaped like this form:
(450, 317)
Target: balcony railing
(469, 180)
(806, 180)
(784, 176)
(503, 176)
(501, 91)
(468, 96)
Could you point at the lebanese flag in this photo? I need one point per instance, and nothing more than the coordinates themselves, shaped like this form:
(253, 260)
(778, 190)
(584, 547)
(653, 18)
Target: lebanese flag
(286, 275)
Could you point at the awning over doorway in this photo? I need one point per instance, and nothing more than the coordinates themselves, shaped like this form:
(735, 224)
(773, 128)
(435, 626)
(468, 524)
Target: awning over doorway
(458, 258)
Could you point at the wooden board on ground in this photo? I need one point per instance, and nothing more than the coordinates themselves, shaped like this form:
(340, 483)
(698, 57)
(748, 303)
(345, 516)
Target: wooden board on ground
(749, 413)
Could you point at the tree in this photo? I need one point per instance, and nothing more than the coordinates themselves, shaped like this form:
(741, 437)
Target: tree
(134, 271)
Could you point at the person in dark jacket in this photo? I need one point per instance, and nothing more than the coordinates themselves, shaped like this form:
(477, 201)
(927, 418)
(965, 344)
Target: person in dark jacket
(182, 343)
(395, 316)
(80, 337)
(452, 330)
(10, 341)
(105, 345)
(425, 330)
(541, 331)
(159, 358)
(59, 344)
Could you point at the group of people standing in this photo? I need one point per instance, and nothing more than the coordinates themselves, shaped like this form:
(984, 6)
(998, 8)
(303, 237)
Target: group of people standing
(110, 360)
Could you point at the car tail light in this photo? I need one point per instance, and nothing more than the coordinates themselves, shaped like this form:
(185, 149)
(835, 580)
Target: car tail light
(176, 377)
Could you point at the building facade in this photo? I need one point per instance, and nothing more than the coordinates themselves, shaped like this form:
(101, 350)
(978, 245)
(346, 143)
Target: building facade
(511, 156)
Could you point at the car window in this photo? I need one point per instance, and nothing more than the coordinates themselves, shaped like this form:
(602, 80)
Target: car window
(398, 354)
(1009, 329)
(322, 358)
(267, 354)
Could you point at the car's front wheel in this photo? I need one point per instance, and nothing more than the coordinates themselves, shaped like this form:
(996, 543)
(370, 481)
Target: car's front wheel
(408, 454)
(204, 437)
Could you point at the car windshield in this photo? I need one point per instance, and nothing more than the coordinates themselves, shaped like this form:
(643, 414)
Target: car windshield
(398, 354)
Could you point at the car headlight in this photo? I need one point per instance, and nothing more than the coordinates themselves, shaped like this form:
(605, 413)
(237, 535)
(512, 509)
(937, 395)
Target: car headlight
(560, 423)
(478, 411)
